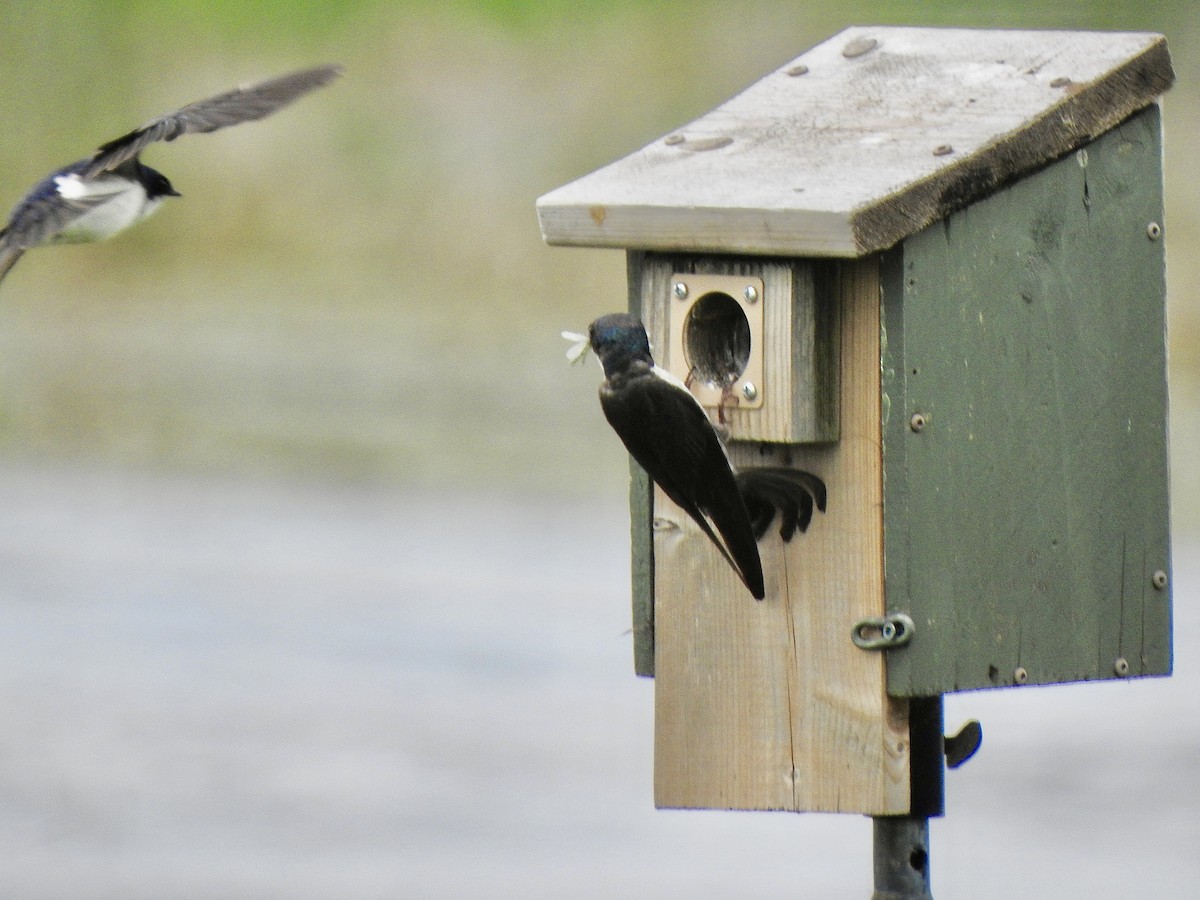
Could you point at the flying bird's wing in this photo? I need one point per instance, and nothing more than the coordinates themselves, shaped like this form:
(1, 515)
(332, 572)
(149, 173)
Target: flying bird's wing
(792, 493)
(667, 432)
(239, 105)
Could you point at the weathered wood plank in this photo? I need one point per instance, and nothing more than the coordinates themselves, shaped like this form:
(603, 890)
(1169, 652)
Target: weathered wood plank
(864, 148)
(769, 705)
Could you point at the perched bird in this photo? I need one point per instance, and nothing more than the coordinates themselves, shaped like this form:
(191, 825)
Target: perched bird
(97, 197)
(667, 431)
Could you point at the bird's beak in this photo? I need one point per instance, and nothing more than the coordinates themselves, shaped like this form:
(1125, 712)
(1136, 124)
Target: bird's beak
(174, 193)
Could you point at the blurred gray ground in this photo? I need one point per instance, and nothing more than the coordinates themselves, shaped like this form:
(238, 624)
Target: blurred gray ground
(215, 687)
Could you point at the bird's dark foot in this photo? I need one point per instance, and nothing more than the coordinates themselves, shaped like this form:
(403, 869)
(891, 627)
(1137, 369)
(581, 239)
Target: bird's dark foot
(792, 493)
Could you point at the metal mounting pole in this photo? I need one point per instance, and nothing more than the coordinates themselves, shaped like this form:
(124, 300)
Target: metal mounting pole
(901, 858)
(901, 854)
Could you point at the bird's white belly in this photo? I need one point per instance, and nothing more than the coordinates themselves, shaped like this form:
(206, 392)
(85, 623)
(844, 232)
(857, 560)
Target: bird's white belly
(115, 214)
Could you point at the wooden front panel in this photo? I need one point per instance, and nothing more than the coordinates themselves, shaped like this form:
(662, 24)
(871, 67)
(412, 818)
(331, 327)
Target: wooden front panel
(769, 705)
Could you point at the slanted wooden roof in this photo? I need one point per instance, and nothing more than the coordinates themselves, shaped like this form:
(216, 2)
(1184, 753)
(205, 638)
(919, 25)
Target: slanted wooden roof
(863, 140)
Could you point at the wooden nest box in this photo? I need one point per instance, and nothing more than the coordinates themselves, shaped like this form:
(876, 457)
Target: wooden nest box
(930, 262)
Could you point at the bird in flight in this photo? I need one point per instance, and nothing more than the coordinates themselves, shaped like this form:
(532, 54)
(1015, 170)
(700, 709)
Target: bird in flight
(97, 197)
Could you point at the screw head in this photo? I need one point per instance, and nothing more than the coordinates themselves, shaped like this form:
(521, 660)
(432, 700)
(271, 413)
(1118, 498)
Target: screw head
(749, 391)
(750, 293)
(1020, 675)
(917, 422)
(1154, 231)
(859, 46)
(680, 290)
(1159, 580)
(1121, 666)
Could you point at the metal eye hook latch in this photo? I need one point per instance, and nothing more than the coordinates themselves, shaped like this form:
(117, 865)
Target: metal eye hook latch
(883, 632)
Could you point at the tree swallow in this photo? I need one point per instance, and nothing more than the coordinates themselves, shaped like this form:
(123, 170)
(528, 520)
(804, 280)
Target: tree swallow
(666, 430)
(97, 197)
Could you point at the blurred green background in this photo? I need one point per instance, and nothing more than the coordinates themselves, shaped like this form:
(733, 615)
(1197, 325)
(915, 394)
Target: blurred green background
(357, 288)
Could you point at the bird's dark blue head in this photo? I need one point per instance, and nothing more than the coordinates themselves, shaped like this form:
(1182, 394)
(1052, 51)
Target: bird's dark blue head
(618, 341)
(156, 183)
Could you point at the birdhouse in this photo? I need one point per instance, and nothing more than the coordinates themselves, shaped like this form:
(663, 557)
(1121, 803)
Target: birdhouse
(927, 266)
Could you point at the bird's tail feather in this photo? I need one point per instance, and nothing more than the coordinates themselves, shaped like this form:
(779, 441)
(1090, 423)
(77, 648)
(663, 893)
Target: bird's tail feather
(8, 255)
(746, 563)
(739, 538)
(736, 543)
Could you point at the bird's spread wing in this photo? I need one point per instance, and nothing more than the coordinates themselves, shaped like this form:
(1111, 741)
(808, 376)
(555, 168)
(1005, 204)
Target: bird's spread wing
(792, 493)
(240, 105)
(666, 431)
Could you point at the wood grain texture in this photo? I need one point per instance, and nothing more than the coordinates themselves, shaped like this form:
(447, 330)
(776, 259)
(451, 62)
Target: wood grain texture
(769, 705)
(863, 150)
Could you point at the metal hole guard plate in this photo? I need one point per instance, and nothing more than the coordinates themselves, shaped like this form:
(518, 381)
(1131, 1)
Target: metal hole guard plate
(696, 287)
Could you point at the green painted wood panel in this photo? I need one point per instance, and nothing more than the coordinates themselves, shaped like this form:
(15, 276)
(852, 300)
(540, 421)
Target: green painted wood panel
(641, 514)
(1024, 523)
(641, 520)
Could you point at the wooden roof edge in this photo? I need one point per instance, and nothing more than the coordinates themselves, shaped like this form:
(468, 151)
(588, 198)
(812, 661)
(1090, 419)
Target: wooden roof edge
(1085, 112)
